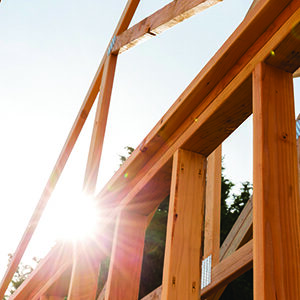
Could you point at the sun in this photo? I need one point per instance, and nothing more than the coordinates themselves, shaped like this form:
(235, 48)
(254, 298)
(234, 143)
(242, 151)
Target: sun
(81, 220)
(75, 217)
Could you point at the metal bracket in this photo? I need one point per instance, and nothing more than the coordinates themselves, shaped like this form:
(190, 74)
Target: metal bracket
(206, 272)
(111, 45)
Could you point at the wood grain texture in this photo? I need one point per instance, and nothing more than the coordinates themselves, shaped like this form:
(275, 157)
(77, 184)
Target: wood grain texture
(197, 121)
(286, 56)
(181, 274)
(276, 207)
(126, 259)
(213, 206)
(240, 232)
(97, 140)
(239, 235)
(163, 19)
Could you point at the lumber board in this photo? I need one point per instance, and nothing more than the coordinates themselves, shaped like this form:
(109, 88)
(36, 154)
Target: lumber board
(298, 152)
(213, 206)
(230, 268)
(62, 274)
(240, 232)
(65, 152)
(286, 56)
(97, 140)
(276, 219)
(45, 297)
(126, 259)
(224, 83)
(85, 269)
(239, 235)
(55, 263)
(202, 128)
(163, 19)
(184, 229)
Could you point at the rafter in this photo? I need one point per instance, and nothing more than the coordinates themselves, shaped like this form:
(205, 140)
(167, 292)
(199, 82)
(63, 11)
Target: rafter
(163, 19)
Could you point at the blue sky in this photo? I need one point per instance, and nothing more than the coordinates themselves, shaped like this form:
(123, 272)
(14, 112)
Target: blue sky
(49, 53)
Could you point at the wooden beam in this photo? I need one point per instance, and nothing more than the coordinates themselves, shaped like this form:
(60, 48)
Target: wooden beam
(298, 147)
(55, 263)
(97, 140)
(184, 231)
(65, 153)
(240, 234)
(85, 271)
(45, 297)
(296, 73)
(163, 19)
(61, 269)
(276, 219)
(210, 95)
(84, 281)
(198, 121)
(229, 269)
(213, 206)
(126, 258)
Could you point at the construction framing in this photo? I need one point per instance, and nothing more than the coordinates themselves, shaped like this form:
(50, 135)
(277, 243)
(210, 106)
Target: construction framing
(181, 157)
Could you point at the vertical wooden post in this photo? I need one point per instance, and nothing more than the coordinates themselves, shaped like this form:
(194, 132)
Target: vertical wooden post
(298, 147)
(85, 271)
(213, 206)
(126, 258)
(276, 217)
(182, 271)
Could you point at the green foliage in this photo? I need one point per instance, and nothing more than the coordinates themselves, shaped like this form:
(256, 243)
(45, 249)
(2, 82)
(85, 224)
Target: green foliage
(154, 249)
(242, 287)
(20, 275)
(123, 158)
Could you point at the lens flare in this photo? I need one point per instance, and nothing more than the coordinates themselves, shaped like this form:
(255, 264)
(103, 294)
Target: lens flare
(80, 219)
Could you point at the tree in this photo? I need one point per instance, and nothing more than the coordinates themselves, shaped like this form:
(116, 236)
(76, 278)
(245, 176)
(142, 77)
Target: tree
(154, 248)
(20, 275)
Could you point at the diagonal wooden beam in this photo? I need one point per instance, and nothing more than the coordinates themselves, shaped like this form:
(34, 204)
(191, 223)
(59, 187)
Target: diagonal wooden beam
(205, 106)
(97, 140)
(65, 152)
(240, 233)
(62, 268)
(54, 264)
(229, 269)
(163, 19)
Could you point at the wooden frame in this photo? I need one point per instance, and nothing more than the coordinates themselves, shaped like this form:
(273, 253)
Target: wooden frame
(216, 102)
(185, 221)
(276, 220)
